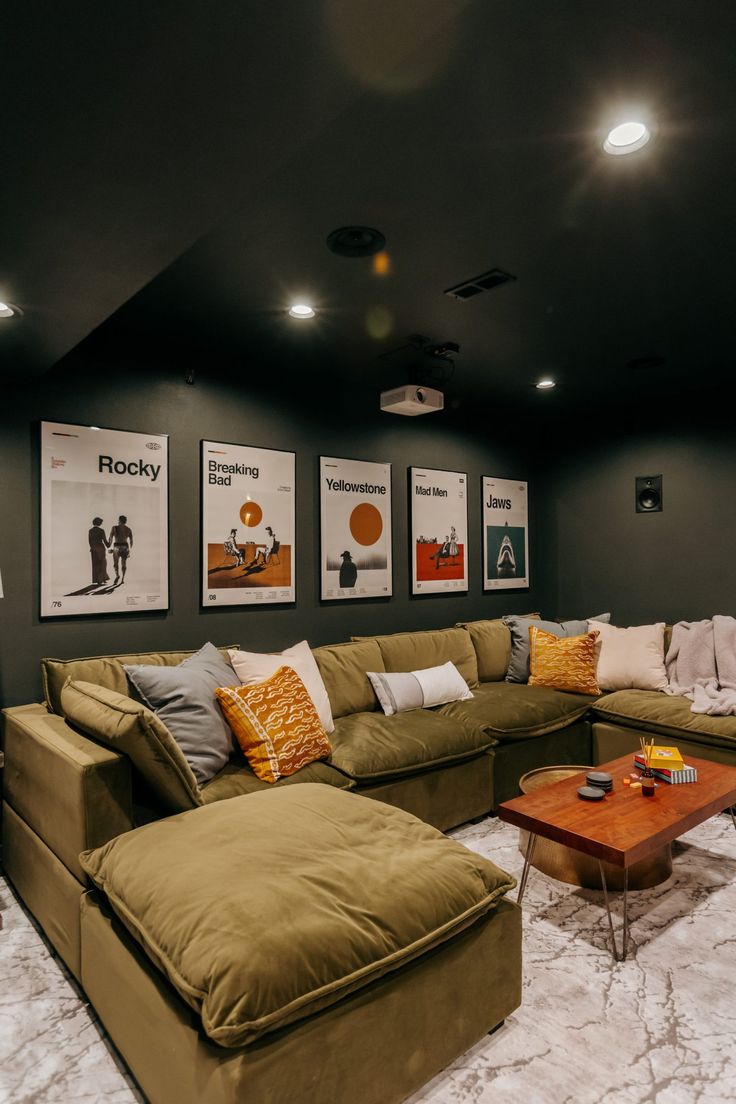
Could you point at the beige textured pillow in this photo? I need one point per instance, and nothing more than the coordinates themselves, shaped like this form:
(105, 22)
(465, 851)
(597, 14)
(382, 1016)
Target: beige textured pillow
(630, 659)
(253, 667)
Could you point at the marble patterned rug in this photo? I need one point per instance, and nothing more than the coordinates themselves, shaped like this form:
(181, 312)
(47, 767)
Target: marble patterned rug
(659, 1027)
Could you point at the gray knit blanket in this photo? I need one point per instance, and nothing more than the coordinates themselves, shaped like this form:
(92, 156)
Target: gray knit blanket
(701, 664)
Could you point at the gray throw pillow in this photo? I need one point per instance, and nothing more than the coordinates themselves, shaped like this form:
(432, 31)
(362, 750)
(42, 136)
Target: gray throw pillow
(518, 670)
(184, 698)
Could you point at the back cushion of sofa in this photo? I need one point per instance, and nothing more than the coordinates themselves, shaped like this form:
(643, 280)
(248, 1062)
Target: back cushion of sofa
(343, 668)
(106, 671)
(415, 651)
(492, 643)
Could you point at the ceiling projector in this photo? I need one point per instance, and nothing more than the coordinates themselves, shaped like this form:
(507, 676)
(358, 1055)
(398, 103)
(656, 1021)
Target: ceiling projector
(412, 400)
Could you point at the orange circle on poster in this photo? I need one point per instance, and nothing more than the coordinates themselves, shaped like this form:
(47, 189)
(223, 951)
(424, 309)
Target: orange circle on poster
(251, 514)
(366, 523)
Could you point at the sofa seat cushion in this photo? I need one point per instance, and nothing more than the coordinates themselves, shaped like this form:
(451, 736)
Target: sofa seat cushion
(506, 711)
(237, 778)
(665, 715)
(264, 909)
(371, 746)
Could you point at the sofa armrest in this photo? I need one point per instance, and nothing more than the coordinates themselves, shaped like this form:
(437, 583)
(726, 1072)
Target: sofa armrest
(74, 793)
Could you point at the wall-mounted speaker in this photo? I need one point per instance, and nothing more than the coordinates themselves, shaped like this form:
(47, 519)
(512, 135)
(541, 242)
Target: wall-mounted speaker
(648, 494)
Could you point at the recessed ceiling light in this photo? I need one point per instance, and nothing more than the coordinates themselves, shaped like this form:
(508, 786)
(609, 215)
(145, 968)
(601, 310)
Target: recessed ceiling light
(545, 384)
(301, 310)
(356, 241)
(626, 138)
(7, 310)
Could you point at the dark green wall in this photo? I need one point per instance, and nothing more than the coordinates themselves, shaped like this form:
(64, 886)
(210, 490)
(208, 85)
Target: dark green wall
(156, 399)
(598, 553)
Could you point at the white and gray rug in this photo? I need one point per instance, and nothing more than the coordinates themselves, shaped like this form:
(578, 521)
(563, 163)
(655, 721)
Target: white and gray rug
(659, 1027)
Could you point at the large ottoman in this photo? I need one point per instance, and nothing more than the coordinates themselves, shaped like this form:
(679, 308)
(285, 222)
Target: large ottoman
(301, 945)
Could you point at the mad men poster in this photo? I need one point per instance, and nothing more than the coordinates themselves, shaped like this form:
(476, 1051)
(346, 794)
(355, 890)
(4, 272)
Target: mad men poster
(355, 534)
(439, 530)
(104, 521)
(248, 522)
(505, 534)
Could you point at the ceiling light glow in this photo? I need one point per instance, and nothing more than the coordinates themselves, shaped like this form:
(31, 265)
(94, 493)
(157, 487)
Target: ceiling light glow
(546, 384)
(627, 137)
(301, 310)
(6, 311)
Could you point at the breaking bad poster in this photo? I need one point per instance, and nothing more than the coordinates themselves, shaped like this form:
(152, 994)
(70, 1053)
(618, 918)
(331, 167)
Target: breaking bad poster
(355, 535)
(248, 522)
(104, 521)
(439, 530)
(505, 534)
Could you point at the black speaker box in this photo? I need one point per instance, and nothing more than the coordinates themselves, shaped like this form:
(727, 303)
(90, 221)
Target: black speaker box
(648, 494)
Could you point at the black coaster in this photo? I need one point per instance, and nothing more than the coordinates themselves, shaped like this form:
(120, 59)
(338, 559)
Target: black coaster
(601, 779)
(591, 793)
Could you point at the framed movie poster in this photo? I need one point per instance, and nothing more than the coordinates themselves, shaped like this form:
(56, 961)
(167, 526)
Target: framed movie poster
(505, 534)
(104, 520)
(439, 530)
(355, 529)
(248, 525)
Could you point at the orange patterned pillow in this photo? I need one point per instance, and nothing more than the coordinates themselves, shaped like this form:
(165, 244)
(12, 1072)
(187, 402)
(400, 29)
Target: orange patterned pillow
(275, 723)
(563, 663)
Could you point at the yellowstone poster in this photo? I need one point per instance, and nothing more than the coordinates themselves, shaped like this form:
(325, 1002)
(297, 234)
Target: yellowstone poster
(104, 521)
(439, 530)
(505, 534)
(248, 522)
(355, 516)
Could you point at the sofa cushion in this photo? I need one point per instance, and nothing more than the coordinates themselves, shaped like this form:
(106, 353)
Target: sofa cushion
(563, 663)
(492, 643)
(519, 627)
(276, 724)
(375, 889)
(399, 691)
(371, 746)
(130, 728)
(665, 715)
(343, 668)
(253, 667)
(183, 697)
(105, 671)
(507, 711)
(237, 778)
(412, 651)
(632, 658)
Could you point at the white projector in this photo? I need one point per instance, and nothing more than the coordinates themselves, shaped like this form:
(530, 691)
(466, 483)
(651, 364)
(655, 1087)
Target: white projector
(412, 400)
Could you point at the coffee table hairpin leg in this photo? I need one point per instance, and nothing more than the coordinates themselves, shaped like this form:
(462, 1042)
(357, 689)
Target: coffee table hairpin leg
(733, 817)
(527, 863)
(625, 938)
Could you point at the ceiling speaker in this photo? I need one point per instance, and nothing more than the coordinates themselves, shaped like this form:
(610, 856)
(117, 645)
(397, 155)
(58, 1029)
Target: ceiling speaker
(648, 494)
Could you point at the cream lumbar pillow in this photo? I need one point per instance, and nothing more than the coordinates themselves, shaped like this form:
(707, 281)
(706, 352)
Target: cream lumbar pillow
(253, 667)
(630, 659)
(398, 691)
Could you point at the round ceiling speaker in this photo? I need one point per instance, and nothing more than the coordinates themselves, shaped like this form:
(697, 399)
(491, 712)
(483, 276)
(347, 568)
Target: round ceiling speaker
(355, 241)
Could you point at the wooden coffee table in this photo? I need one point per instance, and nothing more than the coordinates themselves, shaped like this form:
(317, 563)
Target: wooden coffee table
(625, 826)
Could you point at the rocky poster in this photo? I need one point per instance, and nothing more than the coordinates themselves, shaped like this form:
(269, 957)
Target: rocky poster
(439, 530)
(355, 529)
(248, 524)
(505, 534)
(104, 521)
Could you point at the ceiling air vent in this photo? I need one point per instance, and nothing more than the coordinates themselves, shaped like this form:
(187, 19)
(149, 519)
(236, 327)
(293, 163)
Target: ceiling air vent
(487, 280)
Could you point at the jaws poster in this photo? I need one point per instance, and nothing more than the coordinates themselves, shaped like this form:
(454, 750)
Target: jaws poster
(248, 523)
(439, 530)
(355, 529)
(104, 521)
(505, 534)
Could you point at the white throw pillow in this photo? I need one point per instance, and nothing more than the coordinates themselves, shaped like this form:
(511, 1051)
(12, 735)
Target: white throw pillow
(630, 659)
(253, 667)
(398, 691)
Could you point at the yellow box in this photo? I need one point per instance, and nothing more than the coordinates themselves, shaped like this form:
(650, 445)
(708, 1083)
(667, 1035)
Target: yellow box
(668, 757)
